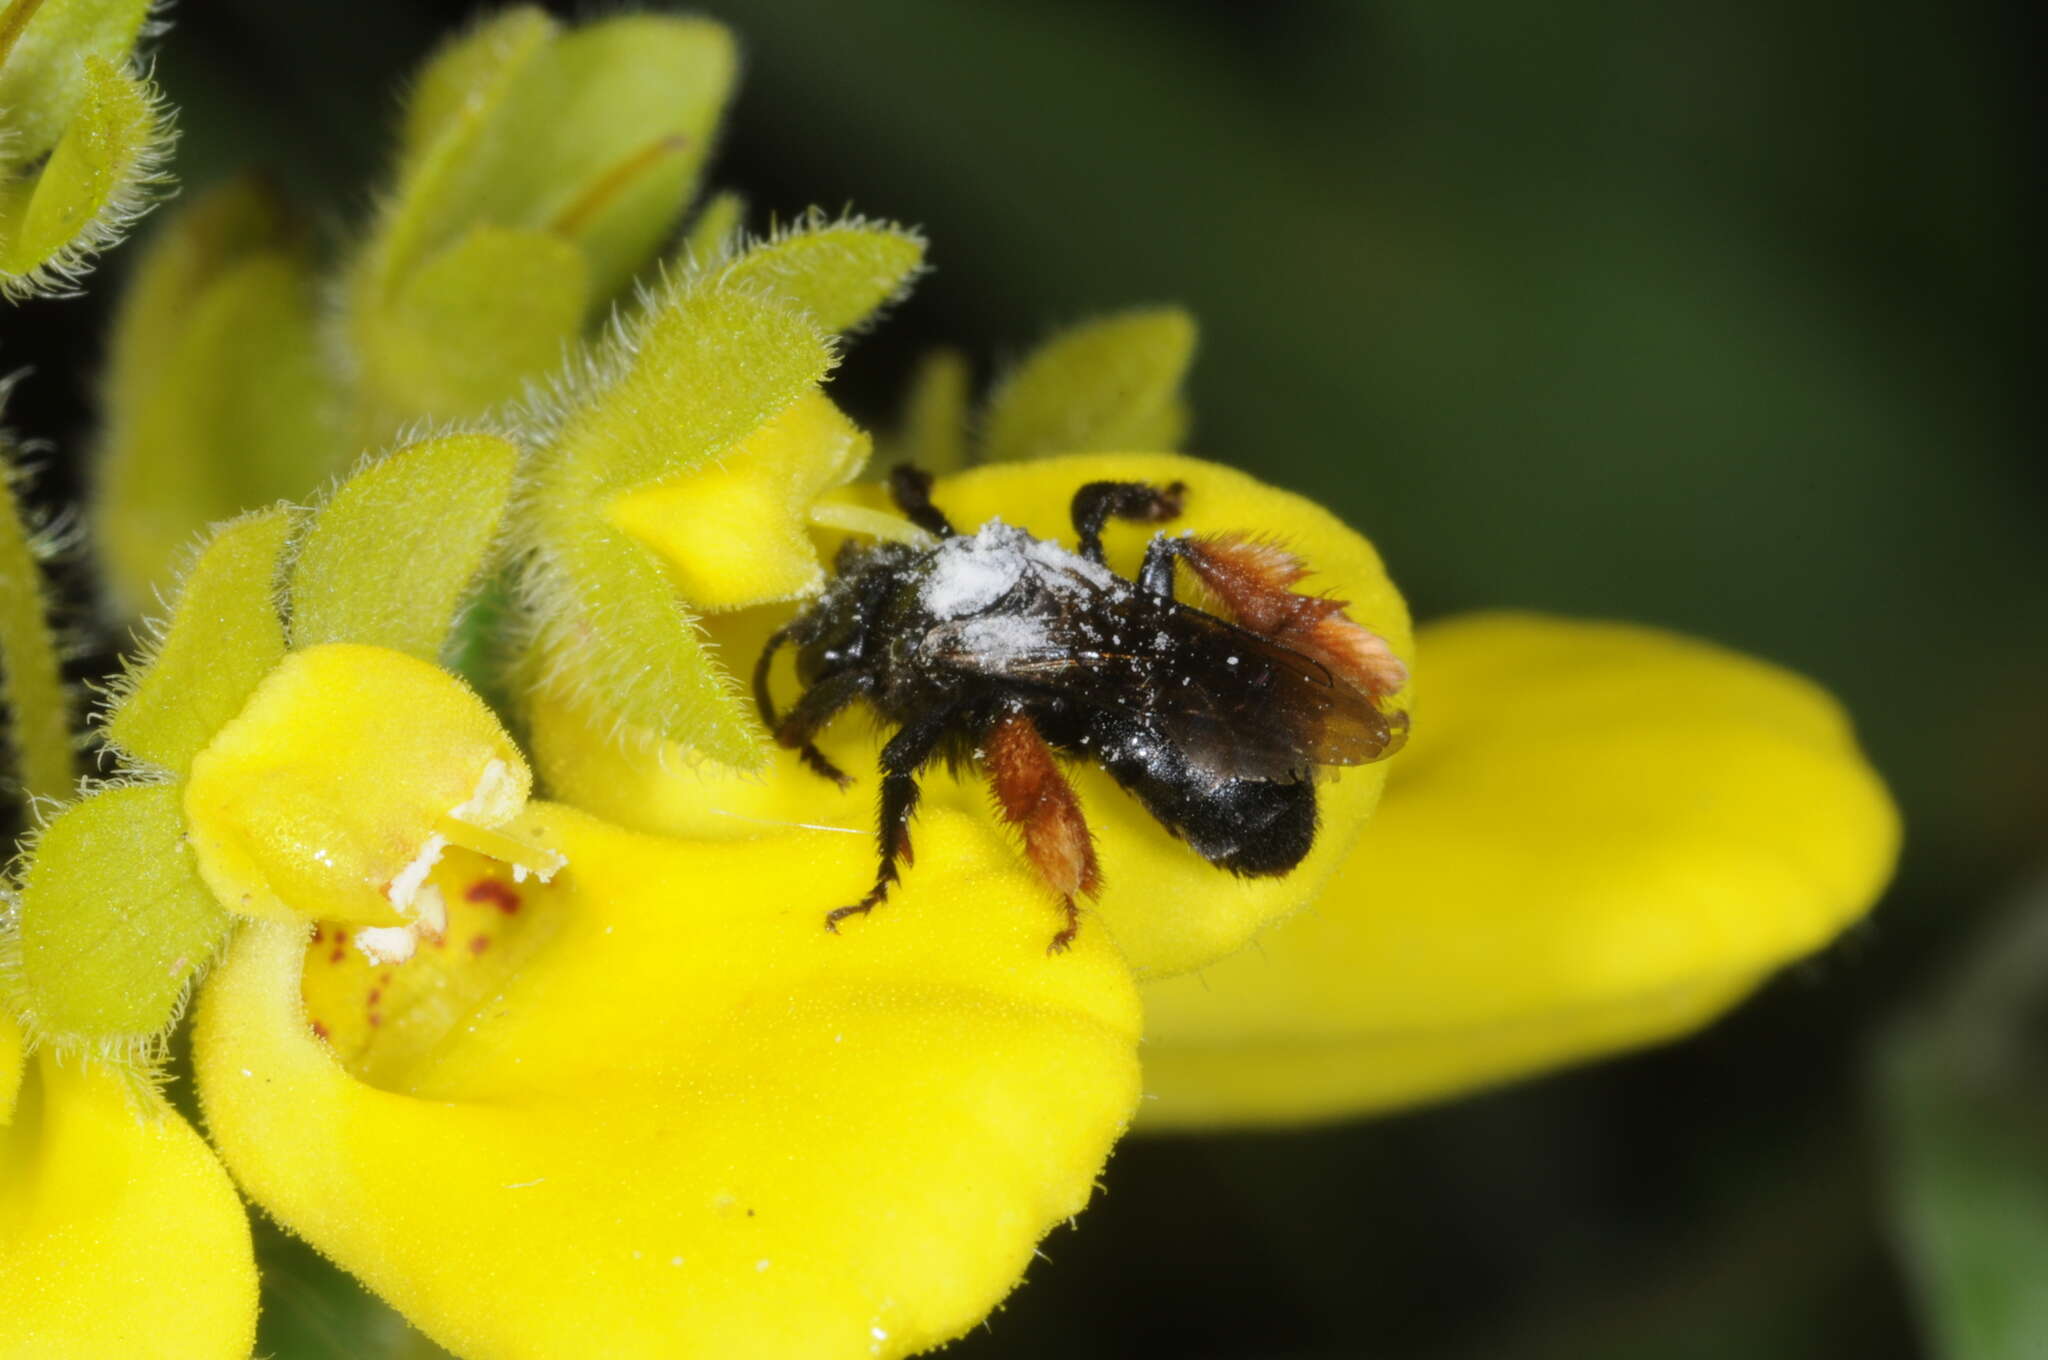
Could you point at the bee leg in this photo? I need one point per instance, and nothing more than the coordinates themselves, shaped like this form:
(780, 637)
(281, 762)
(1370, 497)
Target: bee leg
(905, 754)
(1141, 502)
(1067, 932)
(1033, 796)
(1155, 573)
(1255, 579)
(911, 489)
(820, 704)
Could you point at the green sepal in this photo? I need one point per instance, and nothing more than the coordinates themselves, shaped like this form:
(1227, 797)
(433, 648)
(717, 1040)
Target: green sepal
(43, 76)
(38, 713)
(459, 91)
(115, 922)
(446, 148)
(468, 326)
(216, 397)
(223, 637)
(701, 369)
(933, 431)
(713, 234)
(1111, 385)
(610, 147)
(392, 555)
(91, 188)
(842, 273)
(615, 641)
(538, 171)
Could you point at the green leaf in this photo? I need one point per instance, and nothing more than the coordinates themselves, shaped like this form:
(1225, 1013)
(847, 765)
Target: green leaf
(614, 641)
(223, 637)
(44, 82)
(217, 399)
(839, 272)
(92, 187)
(696, 373)
(1111, 385)
(394, 552)
(31, 680)
(114, 920)
(1965, 1107)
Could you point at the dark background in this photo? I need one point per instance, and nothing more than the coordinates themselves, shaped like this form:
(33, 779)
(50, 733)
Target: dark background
(1702, 315)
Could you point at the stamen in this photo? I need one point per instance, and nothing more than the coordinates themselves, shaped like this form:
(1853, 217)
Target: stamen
(525, 859)
(858, 519)
(387, 944)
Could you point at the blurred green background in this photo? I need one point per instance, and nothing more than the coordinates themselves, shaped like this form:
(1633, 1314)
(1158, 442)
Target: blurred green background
(1707, 316)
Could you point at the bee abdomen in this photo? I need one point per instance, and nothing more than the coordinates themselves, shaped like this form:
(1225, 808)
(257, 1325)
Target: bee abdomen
(1254, 827)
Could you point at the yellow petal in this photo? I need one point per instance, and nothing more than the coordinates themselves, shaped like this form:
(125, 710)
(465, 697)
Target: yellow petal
(667, 1113)
(119, 1232)
(1600, 836)
(10, 1065)
(731, 533)
(331, 792)
(1168, 909)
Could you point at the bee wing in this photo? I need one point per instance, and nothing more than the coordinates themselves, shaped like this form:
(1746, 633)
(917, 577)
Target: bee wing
(1266, 711)
(1233, 703)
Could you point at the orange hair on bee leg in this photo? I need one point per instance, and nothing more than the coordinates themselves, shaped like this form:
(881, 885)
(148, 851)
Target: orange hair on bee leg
(1255, 579)
(1033, 796)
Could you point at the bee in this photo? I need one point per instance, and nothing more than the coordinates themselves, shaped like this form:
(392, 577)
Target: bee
(1001, 651)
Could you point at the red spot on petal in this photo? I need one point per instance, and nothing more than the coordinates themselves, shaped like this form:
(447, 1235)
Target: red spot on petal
(375, 1019)
(479, 943)
(495, 891)
(376, 994)
(320, 1030)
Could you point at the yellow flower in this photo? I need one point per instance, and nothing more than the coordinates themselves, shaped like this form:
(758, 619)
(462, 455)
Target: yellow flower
(677, 474)
(1600, 836)
(530, 1070)
(651, 1108)
(119, 1232)
(332, 792)
(304, 767)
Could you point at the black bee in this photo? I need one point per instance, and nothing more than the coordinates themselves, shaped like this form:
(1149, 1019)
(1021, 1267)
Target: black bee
(998, 649)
